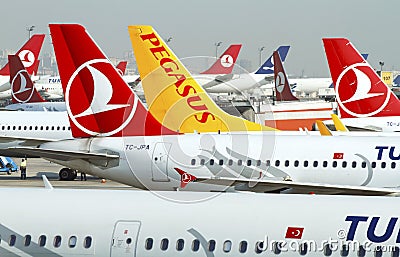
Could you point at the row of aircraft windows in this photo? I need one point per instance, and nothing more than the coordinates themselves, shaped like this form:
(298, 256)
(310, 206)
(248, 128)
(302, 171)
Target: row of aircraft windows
(42, 240)
(296, 163)
(227, 247)
(35, 128)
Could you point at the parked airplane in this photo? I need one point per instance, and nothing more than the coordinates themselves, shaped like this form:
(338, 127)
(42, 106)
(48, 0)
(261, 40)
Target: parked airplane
(158, 224)
(24, 95)
(116, 138)
(364, 100)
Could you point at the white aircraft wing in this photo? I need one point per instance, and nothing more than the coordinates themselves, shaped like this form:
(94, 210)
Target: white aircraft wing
(218, 80)
(256, 185)
(26, 141)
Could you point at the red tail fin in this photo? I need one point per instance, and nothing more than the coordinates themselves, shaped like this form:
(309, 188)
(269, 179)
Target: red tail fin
(121, 67)
(28, 54)
(22, 88)
(359, 90)
(98, 100)
(282, 89)
(226, 62)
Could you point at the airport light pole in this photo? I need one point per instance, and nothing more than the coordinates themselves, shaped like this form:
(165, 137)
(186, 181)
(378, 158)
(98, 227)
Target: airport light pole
(30, 29)
(381, 64)
(168, 40)
(260, 53)
(218, 44)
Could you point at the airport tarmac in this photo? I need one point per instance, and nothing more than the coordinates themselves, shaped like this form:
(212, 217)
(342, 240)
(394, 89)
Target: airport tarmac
(37, 167)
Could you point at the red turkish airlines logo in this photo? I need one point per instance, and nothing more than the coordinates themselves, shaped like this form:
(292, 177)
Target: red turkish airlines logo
(280, 82)
(27, 58)
(21, 91)
(91, 102)
(227, 61)
(355, 87)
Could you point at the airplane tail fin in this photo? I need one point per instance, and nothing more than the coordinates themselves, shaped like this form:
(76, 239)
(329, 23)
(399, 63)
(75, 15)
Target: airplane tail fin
(28, 54)
(172, 95)
(359, 90)
(225, 63)
(121, 67)
(338, 123)
(22, 87)
(282, 89)
(268, 66)
(99, 102)
(323, 129)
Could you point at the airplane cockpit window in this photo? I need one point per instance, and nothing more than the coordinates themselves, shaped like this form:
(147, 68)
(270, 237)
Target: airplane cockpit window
(211, 245)
(57, 241)
(164, 244)
(193, 162)
(72, 242)
(87, 243)
(243, 246)
(180, 244)
(195, 245)
(27, 240)
(42, 241)
(12, 240)
(227, 246)
(393, 165)
(383, 165)
(148, 244)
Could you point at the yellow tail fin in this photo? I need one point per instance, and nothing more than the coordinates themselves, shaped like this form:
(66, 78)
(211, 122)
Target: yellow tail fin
(338, 123)
(323, 129)
(173, 97)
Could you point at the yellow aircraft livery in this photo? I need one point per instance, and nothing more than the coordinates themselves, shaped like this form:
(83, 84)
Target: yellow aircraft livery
(173, 97)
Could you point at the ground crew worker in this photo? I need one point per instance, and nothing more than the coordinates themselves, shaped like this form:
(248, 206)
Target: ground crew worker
(23, 169)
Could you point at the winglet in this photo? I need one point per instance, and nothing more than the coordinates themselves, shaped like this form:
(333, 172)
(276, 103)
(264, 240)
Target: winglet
(323, 129)
(46, 183)
(268, 66)
(225, 63)
(338, 123)
(186, 178)
(282, 89)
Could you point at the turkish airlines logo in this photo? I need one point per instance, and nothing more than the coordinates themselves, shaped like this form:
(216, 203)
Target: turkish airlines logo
(226, 60)
(102, 104)
(280, 82)
(358, 77)
(27, 58)
(20, 89)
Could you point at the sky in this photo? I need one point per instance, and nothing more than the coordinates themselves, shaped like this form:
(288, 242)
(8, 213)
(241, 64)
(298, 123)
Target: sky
(195, 26)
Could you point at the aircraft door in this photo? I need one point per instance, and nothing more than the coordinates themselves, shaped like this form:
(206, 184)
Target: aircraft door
(159, 168)
(124, 239)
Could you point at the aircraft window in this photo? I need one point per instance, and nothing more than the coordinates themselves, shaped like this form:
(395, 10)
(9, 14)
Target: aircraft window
(354, 164)
(258, 163)
(52, 127)
(58, 127)
(195, 245)
(268, 163)
(240, 162)
(248, 162)
(315, 164)
(211, 245)
(25, 127)
(334, 164)
(327, 250)
(69, 128)
(221, 162)
(47, 127)
(287, 163)
(395, 251)
(345, 250)
(57, 241)
(27, 240)
(36, 127)
(277, 247)
(383, 165)
(303, 249)
(30, 127)
(211, 161)
(63, 128)
(325, 164)
(277, 162)
(19, 127)
(128, 241)
(363, 165)
(8, 127)
(296, 163)
(393, 165)
(193, 162)
(148, 244)
(361, 251)
(180, 244)
(72, 242)
(230, 162)
(305, 163)
(164, 244)
(3, 127)
(12, 240)
(344, 164)
(227, 246)
(202, 161)
(243, 246)
(13, 127)
(87, 243)
(42, 241)
(41, 127)
(373, 164)
(378, 251)
(259, 247)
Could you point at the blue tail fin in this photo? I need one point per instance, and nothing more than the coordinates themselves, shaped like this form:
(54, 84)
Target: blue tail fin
(268, 66)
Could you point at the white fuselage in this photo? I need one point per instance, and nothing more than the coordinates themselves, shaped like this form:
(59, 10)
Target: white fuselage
(38, 107)
(150, 162)
(309, 85)
(135, 223)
